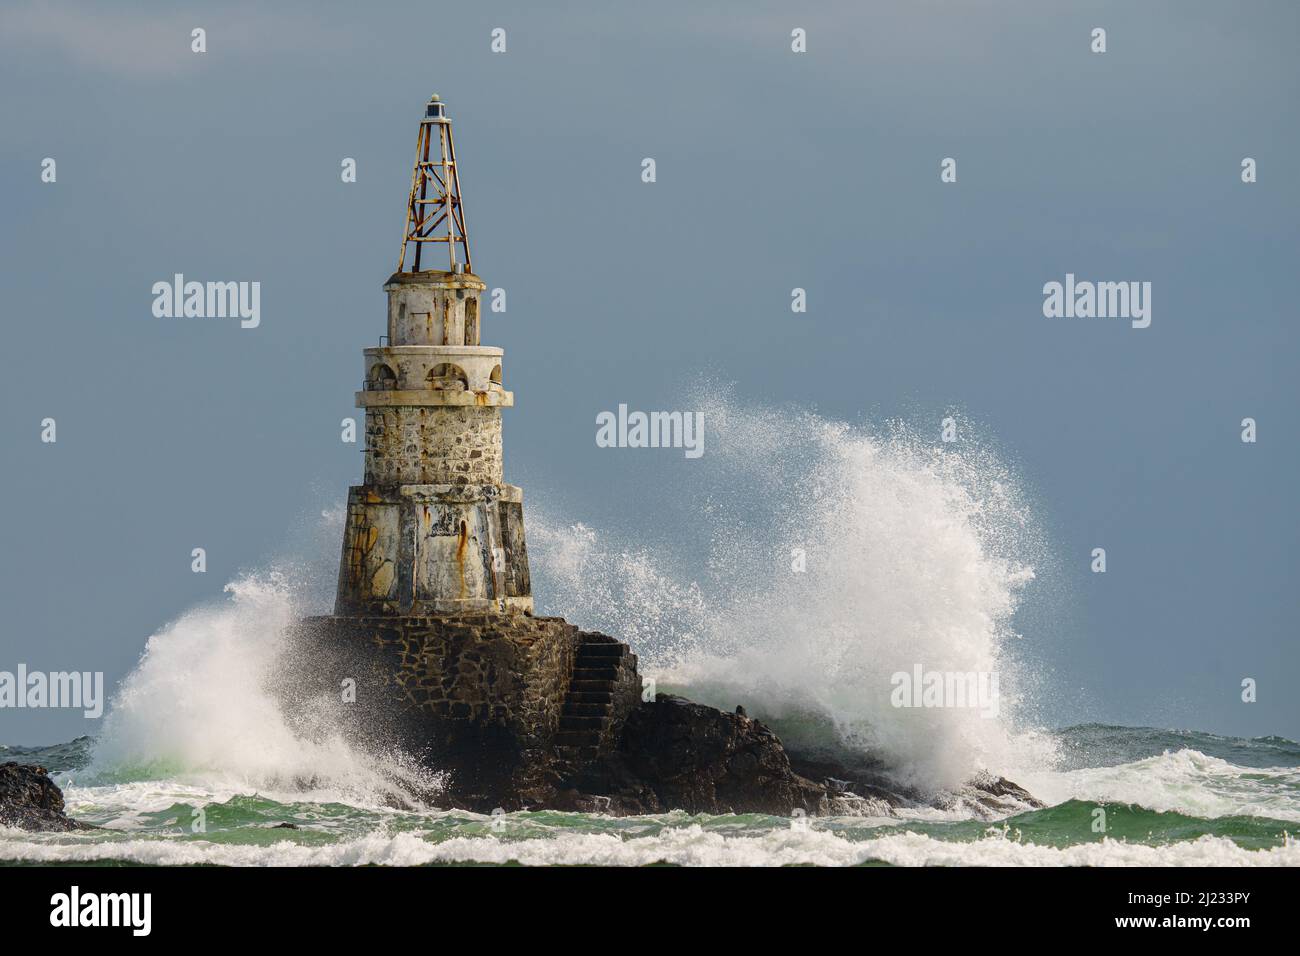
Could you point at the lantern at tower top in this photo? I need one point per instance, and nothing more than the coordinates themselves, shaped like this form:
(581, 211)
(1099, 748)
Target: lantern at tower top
(433, 210)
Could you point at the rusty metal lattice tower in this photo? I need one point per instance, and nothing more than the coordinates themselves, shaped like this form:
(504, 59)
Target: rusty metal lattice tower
(434, 212)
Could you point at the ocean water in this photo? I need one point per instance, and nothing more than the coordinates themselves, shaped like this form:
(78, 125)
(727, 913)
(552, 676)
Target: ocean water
(1171, 798)
(909, 554)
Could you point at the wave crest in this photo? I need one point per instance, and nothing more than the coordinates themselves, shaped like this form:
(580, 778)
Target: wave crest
(916, 553)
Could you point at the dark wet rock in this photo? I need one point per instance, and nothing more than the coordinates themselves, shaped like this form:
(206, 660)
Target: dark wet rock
(986, 796)
(1002, 787)
(285, 826)
(30, 800)
(992, 797)
(862, 777)
(677, 755)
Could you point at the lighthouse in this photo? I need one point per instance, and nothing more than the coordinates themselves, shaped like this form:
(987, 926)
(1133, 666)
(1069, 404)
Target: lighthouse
(433, 644)
(433, 530)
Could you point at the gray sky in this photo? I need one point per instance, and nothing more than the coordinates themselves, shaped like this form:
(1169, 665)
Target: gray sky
(775, 170)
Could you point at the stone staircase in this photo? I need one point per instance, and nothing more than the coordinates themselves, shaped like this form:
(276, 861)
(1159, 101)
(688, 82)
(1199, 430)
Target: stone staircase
(589, 705)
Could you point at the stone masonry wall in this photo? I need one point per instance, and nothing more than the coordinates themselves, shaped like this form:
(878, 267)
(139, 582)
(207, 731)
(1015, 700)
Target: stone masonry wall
(508, 671)
(433, 445)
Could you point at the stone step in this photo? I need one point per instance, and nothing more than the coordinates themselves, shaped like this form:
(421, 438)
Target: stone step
(572, 709)
(594, 722)
(581, 685)
(595, 673)
(605, 697)
(589, 704)
(613, 651)
(597, 661)
(577, 723)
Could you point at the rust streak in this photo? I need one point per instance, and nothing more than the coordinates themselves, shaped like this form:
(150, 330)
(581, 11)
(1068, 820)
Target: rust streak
(462, 545)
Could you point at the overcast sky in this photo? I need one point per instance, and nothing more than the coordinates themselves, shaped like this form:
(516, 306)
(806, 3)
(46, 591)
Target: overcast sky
(775, 170)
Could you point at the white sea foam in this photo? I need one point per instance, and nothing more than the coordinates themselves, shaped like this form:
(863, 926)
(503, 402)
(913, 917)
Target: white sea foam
(685, 846)
(1186, 781)
(201, 708)
(917, 554)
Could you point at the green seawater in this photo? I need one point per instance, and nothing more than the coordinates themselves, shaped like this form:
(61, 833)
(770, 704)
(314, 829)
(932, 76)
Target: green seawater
(1119, 796)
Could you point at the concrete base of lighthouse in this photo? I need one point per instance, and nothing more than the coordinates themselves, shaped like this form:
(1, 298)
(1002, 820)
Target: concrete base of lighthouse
(430, 550)
(503, 704)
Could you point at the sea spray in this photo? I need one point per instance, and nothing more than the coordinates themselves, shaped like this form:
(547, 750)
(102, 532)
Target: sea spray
(207, 704)
(914, 553)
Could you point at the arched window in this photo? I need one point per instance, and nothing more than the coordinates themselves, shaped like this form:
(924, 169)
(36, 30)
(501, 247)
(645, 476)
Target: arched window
(382, 378)
(447, 377)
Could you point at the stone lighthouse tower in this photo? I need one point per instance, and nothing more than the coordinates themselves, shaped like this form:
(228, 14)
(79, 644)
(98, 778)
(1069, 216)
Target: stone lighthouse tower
(433, 630)
(434, 530)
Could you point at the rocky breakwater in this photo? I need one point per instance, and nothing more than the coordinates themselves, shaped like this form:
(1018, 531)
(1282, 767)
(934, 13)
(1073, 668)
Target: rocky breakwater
(521, 712)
